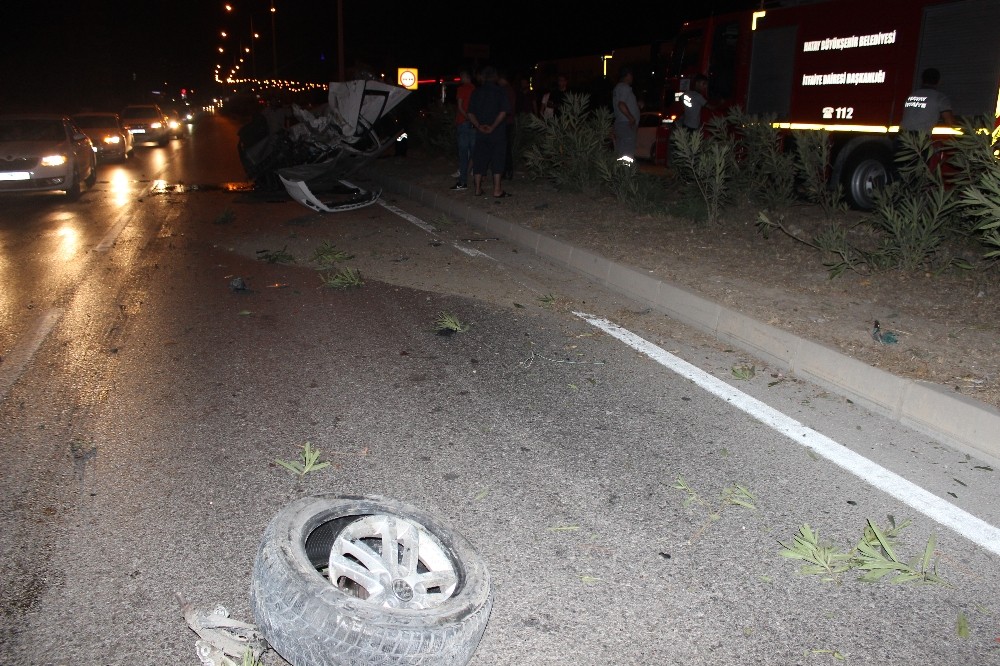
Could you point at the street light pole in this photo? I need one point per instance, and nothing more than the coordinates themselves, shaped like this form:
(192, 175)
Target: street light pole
(274, 44)
(253, 51)
(340, 40)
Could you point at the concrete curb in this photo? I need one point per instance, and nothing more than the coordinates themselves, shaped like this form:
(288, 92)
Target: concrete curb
(962, 422)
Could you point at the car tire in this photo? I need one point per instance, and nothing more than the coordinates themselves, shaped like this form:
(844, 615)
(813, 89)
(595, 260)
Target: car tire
(164, 141)
(92, 177)
(430, 604)
(73, 189)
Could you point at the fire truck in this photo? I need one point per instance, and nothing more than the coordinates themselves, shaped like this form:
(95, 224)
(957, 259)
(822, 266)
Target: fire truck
(845, 66)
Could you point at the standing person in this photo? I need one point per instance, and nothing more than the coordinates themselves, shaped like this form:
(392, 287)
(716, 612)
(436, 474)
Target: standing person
(926, 105)
(527, 102)
(465, 132)
(508, 161)
(626, 109)
(557, 96)
(695, 100)
(488, 111)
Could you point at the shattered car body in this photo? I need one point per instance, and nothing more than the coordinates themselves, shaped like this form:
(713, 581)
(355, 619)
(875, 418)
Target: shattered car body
(321, 148)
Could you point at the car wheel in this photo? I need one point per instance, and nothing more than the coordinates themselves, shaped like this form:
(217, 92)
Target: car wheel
(73, 188)
(92, 178)
(362, 580)
(164, 140)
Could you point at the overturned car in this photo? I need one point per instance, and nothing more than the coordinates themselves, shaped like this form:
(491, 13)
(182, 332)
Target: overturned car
(313, 156)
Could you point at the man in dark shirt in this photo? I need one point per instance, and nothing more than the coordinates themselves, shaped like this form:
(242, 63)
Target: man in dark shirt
(488, 110)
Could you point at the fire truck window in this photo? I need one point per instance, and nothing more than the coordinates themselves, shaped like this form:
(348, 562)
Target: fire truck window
(722, 73)
(687, 54)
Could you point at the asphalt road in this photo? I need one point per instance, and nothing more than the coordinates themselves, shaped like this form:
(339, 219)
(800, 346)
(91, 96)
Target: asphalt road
(143, 404)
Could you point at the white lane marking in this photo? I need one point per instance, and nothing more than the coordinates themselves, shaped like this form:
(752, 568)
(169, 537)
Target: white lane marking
(932, 506)
(112, 235)
(431, 230)
(17, 358)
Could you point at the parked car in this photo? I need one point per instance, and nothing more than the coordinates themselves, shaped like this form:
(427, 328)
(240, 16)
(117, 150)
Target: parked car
(650, 123)
(146, 123)
(45, 152)
(111, 140)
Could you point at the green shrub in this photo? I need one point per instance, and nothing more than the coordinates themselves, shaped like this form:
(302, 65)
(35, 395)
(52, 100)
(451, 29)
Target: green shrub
(569, 148)
(766, 174)
(812, 165)
(639, 192)
(708, 164)
(434, 130)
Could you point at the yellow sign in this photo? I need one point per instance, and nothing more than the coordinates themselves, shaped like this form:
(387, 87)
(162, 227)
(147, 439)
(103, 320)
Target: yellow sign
(407, 77)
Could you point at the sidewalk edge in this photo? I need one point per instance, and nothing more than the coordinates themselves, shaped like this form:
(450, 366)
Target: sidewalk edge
(967, 424)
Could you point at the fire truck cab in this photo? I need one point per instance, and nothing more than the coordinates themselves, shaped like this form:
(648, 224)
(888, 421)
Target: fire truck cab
(846, 66)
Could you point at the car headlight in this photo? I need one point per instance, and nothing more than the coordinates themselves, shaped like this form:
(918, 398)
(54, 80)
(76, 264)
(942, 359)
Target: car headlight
(113, 139)
(54, 160)
(174, 124)
(155, 125)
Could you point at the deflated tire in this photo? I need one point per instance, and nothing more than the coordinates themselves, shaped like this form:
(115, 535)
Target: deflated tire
(368, 580)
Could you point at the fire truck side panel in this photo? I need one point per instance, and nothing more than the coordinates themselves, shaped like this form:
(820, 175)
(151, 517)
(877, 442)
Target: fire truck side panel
(853, 65)
(960, 40)
(772, 70)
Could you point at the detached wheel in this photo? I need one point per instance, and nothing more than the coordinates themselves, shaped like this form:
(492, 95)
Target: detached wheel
(364, 580)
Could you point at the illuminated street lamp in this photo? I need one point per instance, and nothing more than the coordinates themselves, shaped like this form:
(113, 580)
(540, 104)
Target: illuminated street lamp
(274, 44)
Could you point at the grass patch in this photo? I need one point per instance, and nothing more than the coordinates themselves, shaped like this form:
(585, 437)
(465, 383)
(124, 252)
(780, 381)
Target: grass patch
(734, 495)
(874, 556)
(308, 462)
(448, 324)
(346, 279)
(328, 255)
(276, 256)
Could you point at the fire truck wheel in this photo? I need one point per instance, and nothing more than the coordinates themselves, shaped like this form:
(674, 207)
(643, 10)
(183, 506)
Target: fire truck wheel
(865, 172)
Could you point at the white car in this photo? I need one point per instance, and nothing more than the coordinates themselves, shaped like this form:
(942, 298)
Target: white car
(45, 152)
(646, 137)
(147, 124)
(111, 140)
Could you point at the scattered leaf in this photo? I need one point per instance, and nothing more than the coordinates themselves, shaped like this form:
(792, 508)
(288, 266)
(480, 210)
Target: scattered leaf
(962, 625)
(564, 528)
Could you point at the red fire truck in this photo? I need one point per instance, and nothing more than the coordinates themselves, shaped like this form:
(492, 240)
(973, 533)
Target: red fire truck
(846, 66)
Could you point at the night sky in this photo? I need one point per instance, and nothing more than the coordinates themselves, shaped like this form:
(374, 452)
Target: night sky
(67, 56)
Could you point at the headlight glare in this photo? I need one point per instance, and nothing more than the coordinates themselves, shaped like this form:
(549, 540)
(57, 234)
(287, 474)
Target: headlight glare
(54, 160)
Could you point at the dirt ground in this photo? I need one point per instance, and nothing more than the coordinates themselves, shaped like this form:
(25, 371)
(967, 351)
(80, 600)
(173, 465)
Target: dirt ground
(946, 323)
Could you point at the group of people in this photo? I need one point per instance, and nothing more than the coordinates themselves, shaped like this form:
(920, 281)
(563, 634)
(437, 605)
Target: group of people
(484, 119)
(486, 115)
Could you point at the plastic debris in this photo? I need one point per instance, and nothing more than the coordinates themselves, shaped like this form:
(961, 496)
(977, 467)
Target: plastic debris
(312, 156)
(884, 337)
(222, 638)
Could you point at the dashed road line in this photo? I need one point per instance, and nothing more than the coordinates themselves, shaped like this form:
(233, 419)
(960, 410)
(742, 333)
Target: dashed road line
(113, 233)
(964, 523)
(413, 219)
(17, 359)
